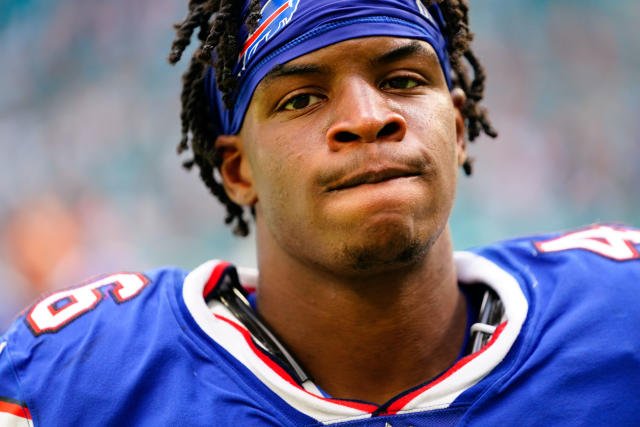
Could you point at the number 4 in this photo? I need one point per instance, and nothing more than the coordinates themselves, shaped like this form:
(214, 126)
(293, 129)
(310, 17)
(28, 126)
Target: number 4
(610, 242)
(59, 309)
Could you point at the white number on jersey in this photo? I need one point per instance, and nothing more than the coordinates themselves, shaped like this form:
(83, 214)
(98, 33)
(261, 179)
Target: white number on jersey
(615, 243)
(59, 309)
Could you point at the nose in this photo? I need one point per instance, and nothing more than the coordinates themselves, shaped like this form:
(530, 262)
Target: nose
(362, 113)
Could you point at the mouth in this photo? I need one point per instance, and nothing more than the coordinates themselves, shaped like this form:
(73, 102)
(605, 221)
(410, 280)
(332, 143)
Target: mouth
(372, 177)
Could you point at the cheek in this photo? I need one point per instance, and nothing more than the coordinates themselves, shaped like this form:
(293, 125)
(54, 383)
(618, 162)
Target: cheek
(278, 169)
(435, 127)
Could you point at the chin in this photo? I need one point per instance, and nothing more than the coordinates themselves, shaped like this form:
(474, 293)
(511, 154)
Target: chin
(383, 250)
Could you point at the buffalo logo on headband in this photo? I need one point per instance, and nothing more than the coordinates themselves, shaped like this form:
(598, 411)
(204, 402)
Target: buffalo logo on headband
(276, 14)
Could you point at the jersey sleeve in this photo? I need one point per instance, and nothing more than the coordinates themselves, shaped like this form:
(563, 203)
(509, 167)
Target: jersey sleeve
(13, 409)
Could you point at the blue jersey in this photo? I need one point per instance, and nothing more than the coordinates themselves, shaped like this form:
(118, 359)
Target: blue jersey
(150, 350)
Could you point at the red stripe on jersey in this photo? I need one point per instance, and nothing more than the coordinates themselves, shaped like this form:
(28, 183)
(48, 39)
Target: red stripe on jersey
(214, 278)
(15, 409)
(284, 375)
(400, 403)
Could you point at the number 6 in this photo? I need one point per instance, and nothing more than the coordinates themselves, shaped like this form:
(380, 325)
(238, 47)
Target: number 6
(59, 309)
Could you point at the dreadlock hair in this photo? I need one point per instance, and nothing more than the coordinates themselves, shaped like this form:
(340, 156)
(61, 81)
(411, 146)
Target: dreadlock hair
(218, 23)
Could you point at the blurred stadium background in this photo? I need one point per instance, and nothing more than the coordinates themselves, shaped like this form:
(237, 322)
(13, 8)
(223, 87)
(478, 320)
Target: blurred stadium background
(90, 183)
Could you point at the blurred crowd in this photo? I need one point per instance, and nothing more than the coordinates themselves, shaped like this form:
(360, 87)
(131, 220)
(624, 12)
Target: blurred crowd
(90, 182)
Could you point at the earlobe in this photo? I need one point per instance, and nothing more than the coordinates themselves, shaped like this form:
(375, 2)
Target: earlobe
(235, 171)
(459, 98)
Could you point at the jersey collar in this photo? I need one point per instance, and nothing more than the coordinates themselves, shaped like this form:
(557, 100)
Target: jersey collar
(219, 324)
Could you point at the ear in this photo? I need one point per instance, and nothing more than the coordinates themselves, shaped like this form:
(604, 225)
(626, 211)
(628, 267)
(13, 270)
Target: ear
(235, 170)
(459, 98)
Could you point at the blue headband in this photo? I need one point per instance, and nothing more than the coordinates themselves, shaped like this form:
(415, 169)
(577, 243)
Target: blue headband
(289, 29)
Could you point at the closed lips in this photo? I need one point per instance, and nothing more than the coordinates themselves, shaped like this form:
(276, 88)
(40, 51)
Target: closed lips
(372, 177)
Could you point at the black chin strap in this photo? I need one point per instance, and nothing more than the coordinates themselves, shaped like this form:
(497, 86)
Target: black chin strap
(234, 297)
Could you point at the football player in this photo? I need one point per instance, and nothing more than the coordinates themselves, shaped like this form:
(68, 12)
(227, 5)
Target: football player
(340, 126)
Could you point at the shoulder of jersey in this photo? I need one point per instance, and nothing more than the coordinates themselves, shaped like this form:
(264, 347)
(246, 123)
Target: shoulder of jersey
(579, 341)
(599, 262)
(597, 242)
(592, 269)
(76, 315)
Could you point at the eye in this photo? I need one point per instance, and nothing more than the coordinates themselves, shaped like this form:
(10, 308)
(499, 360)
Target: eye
(300, 101)
(401, 83)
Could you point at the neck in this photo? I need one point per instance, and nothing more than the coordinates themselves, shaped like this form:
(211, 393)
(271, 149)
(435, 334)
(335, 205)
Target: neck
(371, 337)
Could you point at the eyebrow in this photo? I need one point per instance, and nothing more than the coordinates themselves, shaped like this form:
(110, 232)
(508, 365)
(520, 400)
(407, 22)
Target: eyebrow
(413, 48)
(285, 70)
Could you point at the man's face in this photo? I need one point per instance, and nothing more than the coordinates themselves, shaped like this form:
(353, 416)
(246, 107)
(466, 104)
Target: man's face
(350, 154)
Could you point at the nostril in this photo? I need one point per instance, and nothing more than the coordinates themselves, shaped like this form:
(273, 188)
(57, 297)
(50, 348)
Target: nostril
(346, 137)
(388, 130)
